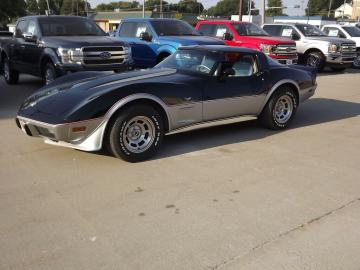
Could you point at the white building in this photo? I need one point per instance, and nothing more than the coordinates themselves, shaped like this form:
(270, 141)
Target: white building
(345, 10)
(317, 21)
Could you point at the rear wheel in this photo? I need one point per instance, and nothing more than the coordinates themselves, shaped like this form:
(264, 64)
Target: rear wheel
(136, 133)
(315, 60)
(279, 110)
(11, 76)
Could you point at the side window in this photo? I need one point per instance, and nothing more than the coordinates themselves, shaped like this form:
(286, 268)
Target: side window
(32, 28)
(128, 29)
(287, 31)
(244, 65)
(334, 32)
(273, 30)
(142, 28)
(20, 29)
(220, 30)
(207, 29)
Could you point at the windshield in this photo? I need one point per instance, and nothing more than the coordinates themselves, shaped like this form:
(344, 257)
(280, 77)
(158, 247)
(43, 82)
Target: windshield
(173, 28)
(352, 31)
(69, 26)
(310, 30)
(249, 29)
(195, 61)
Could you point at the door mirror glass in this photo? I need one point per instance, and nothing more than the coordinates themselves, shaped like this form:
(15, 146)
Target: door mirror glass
(228, 36)
(29, 37)
(295, 36)
(145, 36)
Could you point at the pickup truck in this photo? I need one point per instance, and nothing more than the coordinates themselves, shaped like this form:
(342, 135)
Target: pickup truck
(52, 46)
(251, 36)
(345, 31)
(314, 47)
(152, 40)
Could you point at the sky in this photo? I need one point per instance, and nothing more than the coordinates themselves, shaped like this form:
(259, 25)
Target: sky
(208, 3)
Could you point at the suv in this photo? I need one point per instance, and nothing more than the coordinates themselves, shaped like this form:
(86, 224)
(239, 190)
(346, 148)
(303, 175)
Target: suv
(315, 48)
(152, 40)
(250, 36)
(345, 31)
(51, 46)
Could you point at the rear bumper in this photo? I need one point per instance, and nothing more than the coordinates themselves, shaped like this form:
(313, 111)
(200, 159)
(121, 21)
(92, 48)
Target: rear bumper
(84, 135)
(307, 93)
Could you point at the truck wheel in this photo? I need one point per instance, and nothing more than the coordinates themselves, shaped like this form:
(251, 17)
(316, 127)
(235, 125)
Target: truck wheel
(136, 134)
(11, 76)
(49, 73)
(279, 110)
(315, 60)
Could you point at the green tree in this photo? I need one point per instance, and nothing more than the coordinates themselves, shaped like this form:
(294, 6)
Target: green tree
(73, 7)
(125, 5)
(189, 6)
(226, 8)
(321, 7)
(32, 7)
(10, 10)
(271, 11)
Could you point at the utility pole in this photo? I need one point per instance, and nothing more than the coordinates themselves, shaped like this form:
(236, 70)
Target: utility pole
(240, 9)
(161, 9)
(343, 13)
(330, 4)
(262, 9)
(143, 11)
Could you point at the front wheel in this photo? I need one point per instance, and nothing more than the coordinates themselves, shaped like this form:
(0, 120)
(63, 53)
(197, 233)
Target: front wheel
(315, 60)
(136, 133)
(11, 76)
(49, 73)
(279, 110)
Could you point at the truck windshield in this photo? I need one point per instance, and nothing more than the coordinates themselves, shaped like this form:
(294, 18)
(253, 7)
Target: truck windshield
(173, 28)
(310, 30)
(249, 29)
(352, 31)
(194, 61)
(69, 26)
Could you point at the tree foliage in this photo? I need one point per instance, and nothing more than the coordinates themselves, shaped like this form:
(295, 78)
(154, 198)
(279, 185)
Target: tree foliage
(10, 10)
(271, 11)
(74, 7)
(226, 8)
(118, 5)
(321, 7)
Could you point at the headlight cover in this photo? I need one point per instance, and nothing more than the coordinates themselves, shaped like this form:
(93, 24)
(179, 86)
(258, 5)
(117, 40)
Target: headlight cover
(267, 48)
(334, 48)
(70, 55)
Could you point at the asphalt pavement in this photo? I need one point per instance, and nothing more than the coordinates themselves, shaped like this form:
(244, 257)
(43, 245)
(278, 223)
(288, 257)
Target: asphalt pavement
(235, 196)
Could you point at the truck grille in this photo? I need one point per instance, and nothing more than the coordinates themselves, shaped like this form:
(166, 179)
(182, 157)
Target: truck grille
(104, 55)
(348, 49)
(286, 50)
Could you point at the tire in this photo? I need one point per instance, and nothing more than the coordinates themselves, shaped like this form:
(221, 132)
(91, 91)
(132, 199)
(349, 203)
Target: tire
(11, 76)
(338, 69)
(49, 73)
(136, 133)
(315, 60)
(279, 110)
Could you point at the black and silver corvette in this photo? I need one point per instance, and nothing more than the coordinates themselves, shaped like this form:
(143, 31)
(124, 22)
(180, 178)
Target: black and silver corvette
(131, 112)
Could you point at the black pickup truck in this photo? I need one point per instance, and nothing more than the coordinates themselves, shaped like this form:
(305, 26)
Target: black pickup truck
(52, 46)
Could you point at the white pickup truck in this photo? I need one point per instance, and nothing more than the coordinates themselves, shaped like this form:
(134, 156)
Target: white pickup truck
(345, 31)
(314, 47)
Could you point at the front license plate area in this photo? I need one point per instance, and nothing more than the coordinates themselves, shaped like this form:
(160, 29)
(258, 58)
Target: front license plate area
(289, 61)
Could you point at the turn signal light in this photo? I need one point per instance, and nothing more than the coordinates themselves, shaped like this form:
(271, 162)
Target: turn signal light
(78, 129)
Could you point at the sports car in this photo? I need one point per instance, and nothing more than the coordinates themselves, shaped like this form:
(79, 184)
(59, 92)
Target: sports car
(130, 113)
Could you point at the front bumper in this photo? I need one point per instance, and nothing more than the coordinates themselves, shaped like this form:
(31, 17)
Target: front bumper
(338, 59)
(65, 68)
(83, 135)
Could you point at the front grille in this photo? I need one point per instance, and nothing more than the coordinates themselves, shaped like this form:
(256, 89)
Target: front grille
(104, 55)
(348, 49)
(286, 50)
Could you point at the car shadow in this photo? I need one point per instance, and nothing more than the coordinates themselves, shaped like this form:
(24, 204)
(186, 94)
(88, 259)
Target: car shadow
(313, 112)
(329, 72)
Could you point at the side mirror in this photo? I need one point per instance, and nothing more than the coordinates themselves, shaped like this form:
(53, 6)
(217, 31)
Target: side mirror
(226, 72)
(295, 36)
(145, 36)
(29, 37)
(228, 36)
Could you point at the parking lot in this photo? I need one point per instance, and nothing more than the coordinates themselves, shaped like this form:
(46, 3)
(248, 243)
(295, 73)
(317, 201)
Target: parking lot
(234, 196)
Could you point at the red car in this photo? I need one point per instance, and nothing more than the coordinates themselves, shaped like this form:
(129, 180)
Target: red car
(251, 36)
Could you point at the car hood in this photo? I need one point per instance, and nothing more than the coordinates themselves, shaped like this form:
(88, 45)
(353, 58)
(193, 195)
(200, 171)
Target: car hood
(356, 40)
(81, 41)
(271, 40)
(191, 40)
(66, 94)
(334, 40)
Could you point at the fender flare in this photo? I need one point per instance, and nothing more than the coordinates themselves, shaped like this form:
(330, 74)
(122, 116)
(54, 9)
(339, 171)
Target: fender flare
(165, 49)
(275, 87)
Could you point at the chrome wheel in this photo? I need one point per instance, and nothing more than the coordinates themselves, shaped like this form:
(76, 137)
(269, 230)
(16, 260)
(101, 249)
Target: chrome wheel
(49, 75)
(313, 61)
(283, 109)
(139, 134)
(357, 62)
(6, 71)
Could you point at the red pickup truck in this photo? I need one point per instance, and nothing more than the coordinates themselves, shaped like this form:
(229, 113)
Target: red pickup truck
(251, 36)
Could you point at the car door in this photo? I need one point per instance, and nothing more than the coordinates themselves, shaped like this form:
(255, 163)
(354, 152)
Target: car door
(239, 94)
(32, 52)
(143, 52)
